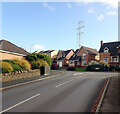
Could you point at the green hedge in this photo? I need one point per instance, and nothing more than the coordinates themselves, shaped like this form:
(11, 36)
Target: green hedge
(15, 66)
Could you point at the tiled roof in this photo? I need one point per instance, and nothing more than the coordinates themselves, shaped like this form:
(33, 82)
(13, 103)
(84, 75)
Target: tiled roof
(90, 50)
(74, 57)
(10, 47)
(47, 51)
(112, 46)
(64, 54)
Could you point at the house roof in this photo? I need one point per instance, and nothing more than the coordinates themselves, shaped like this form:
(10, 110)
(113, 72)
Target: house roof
(47, 51)
(7, 46)
(64, 54)
(90, 50)
(75, 57)
(112, 46)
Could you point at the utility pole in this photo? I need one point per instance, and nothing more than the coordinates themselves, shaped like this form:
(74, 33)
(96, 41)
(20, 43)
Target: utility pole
(80, 26)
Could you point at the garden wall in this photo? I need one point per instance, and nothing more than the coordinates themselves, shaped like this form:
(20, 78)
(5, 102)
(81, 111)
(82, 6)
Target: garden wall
(19, 75)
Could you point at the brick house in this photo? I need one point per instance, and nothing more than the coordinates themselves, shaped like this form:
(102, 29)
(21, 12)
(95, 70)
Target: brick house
(63, 57)
(83, 56)
(9, 50)
(110, 52)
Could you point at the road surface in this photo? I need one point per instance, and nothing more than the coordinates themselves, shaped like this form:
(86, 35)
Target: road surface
(71, 92)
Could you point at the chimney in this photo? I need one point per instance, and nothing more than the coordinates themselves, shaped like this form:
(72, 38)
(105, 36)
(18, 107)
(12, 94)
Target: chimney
(101, 42)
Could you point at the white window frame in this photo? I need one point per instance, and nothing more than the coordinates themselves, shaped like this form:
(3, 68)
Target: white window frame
(106, 50)
(78, 62)
(84, 64)
(84, 55)
(113, 59)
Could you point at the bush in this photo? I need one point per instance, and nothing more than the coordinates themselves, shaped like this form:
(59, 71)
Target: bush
(24, 64)
(15, 66)
(54, 66)
(6, 67)
(39, 63)
(93, 62)
(104, 63)
(39, 56)
(95, 67)
(71, 68)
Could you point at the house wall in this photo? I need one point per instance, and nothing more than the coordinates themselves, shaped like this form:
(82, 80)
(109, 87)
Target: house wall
(53, 53)
(89, 57)
(103, 55)
(65, 61)
(4, 56)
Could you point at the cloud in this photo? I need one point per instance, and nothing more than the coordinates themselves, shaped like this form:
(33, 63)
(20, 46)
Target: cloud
(38, 47)
(111, 13)
(69, 5)
(51, 8)
(90, 11)
(110, 3)
(101, 17)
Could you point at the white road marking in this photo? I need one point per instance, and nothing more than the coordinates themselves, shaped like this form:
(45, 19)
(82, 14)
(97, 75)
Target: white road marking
(78, 73)
(64, 83)
(19, 103)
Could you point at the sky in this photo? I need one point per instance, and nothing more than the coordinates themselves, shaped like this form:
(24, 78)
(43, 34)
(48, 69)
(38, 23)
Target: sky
(53, 25)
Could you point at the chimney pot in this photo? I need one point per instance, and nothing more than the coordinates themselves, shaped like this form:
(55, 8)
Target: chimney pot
(101, 42)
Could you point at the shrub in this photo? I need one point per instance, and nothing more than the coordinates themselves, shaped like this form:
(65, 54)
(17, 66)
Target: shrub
(39, 63)
(6, 67)
(71, 68)
(24, 64)
(38, 56)
(93, 62)
(15, 66)
(104, 63)
(54, 66)
(95, 67)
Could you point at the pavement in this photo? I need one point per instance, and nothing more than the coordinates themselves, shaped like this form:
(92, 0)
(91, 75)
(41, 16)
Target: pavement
(111, 101)
(71, 92)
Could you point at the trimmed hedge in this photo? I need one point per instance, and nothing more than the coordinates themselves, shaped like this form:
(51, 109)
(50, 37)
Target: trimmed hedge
(95, 67)
(15, 66)
(71, 68)
(39, 56)
(24, 64)
(6, 67)
(39, 63)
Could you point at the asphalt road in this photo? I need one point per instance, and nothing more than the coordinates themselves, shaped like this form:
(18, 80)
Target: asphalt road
(71, 92)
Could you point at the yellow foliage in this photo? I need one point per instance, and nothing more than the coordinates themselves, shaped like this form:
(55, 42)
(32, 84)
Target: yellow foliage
(24, 64)
(6, 67)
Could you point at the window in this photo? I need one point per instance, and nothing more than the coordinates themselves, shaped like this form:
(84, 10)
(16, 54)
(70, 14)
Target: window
(84, 56)
(114, 59)
(106, 59)
(71, 62)
(84, 63)
(78, 63)
(106, 50)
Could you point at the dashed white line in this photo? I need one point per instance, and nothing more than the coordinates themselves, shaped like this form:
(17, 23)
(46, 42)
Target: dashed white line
(64, 83)
(19, 103)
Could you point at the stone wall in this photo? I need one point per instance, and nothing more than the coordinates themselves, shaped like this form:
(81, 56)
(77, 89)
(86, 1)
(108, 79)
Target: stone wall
(19, 75)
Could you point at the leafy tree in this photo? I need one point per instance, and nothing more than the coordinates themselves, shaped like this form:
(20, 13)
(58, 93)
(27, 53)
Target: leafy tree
(39, 56)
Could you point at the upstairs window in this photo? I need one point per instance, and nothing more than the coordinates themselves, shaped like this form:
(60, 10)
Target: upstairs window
(106, 50)
(84, 56)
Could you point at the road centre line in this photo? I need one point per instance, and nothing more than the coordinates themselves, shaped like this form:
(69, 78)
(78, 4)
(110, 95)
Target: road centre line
(64, 83)
(19, 103)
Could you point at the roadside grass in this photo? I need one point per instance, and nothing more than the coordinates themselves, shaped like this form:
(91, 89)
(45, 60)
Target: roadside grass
(54, 71)
(80, 69)
(62, 68)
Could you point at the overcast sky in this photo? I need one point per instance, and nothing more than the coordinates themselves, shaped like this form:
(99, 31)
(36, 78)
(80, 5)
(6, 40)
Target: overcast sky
(53, 25)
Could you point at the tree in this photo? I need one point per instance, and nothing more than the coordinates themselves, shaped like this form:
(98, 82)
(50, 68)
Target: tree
(39, 56)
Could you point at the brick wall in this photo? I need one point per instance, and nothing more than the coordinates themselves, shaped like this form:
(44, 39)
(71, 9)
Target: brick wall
(10, 56)
(103, 55)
